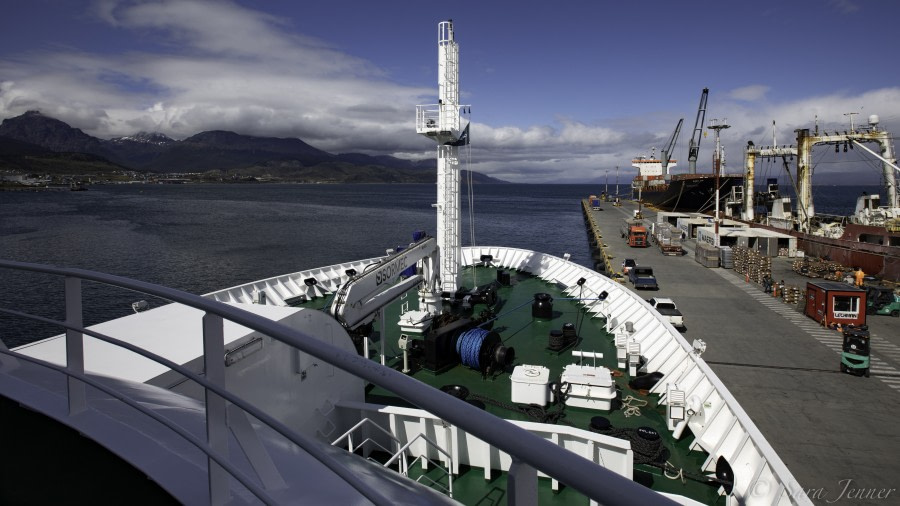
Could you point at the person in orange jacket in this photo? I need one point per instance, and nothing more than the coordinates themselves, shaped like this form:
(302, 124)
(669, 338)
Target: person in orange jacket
(860, 275)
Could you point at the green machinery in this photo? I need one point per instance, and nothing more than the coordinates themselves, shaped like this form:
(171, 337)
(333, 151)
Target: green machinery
(882, 301)
(855, 351)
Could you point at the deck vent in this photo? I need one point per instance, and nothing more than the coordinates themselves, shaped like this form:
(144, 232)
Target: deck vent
(675, 408)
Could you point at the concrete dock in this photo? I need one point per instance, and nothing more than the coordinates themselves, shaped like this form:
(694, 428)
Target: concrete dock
(838, 434)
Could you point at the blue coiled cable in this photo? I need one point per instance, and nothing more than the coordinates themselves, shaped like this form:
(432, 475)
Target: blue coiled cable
(468, 346)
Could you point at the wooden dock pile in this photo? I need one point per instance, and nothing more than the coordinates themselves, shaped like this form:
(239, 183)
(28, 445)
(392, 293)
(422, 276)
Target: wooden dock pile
(746, 261)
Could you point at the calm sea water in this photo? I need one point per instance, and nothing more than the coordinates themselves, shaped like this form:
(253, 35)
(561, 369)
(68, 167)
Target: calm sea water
(201, 238)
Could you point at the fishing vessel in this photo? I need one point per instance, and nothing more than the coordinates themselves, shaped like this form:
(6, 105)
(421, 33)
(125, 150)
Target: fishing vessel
(868, 239)
(436, 373)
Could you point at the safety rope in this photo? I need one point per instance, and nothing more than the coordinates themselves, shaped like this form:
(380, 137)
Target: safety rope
(631, 406)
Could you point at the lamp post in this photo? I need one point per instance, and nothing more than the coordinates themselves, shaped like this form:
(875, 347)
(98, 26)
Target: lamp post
(715, 125)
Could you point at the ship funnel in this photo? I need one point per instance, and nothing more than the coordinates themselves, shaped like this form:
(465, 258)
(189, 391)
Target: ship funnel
(873, 119)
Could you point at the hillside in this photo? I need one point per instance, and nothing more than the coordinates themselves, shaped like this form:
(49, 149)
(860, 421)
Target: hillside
(34, 143)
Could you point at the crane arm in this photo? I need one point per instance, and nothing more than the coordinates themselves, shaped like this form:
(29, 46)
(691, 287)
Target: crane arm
(667, 149)
(364, 294)
(694, 147)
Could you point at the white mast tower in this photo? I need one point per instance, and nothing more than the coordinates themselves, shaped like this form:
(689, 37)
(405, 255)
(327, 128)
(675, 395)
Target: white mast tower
(441, 122)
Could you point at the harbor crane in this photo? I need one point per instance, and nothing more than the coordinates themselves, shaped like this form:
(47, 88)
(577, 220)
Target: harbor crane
(694, 147)
(667, 149)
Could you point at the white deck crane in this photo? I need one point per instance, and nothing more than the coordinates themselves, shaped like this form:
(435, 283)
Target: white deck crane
(364, 294)
(694, 147)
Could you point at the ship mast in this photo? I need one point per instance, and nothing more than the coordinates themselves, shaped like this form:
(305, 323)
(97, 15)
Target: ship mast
(441, 122)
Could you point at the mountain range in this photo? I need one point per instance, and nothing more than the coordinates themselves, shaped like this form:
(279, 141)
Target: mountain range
(35, 143)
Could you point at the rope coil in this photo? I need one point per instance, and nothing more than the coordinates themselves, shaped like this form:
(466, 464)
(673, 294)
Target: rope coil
(468, 346)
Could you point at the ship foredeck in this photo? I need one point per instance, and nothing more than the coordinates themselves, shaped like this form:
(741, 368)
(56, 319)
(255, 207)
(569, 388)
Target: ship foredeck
(529, 336)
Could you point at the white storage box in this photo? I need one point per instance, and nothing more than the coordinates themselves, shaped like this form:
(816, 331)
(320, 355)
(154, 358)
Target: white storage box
(589, 387)
(530, 384)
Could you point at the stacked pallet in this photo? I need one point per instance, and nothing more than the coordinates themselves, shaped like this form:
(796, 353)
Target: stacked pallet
(793, 295)
(706, 255)
(752, 263)
(818, 268)
(726, 257)
(739, 259)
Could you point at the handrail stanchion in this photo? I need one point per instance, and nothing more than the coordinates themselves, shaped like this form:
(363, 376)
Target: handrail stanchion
(521, 487)
(216, 410)
(74, 345)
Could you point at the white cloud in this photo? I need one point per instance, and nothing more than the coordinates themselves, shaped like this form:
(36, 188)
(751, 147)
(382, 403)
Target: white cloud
(750, 93)
(217, 65)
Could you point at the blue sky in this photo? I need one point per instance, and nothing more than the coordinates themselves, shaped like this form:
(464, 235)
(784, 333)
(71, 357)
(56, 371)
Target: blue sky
(560, 91)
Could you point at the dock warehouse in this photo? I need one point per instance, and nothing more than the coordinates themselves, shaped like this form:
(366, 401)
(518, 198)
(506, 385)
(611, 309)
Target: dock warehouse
(763, 241)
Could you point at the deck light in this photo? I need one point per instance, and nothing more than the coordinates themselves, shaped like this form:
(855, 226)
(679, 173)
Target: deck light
(310, 282)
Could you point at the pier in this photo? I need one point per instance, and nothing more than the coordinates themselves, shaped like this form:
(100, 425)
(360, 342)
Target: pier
(837, 433)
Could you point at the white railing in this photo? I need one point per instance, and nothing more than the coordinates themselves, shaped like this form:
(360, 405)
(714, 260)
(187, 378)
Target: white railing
(456, 447)
(721, 426)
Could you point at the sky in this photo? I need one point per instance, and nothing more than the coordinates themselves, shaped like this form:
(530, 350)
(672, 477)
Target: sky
(560, 92)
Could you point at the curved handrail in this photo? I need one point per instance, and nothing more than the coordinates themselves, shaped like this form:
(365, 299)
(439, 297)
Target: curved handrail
(201, 445)
(600, 282)
(587, 477)
(262, 416)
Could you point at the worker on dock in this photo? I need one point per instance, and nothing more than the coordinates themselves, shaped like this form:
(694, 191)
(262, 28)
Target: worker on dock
(767, 283)
(860, 276)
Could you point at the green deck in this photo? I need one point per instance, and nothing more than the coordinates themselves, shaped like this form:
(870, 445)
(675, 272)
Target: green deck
(529, 337)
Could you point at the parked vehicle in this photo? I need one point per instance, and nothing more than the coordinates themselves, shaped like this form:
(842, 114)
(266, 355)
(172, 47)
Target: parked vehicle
(627, 264)
(669, 239)
(666, 307)
(883, 301)
(642, 278)
(635, 233)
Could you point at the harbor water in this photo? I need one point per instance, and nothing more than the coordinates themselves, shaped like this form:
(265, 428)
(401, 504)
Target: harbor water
(201, 238)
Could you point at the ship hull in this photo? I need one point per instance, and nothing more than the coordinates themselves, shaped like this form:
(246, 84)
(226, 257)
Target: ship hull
(856, 248)
(684, 192)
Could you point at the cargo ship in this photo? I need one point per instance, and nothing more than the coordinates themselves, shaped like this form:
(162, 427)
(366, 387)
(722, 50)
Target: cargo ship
(655, 186)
